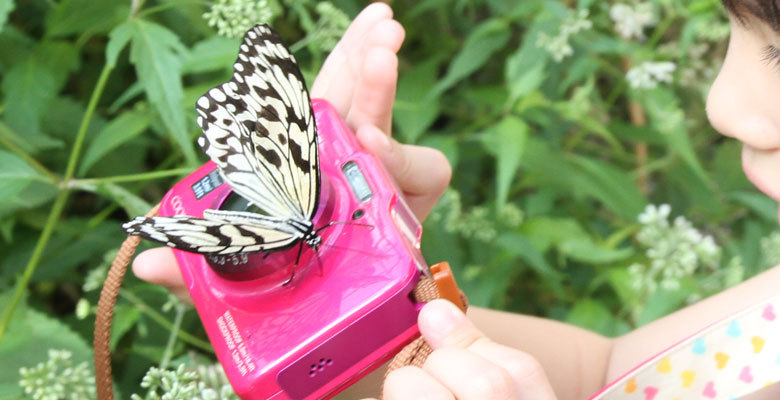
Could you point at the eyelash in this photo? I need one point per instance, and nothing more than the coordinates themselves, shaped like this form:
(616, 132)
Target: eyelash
(772, 56)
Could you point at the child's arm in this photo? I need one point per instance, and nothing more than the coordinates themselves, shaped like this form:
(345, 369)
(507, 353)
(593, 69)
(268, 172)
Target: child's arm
(574, 359)
(579, 362)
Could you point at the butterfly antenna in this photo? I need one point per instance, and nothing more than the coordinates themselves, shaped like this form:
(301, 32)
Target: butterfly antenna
(329, 224)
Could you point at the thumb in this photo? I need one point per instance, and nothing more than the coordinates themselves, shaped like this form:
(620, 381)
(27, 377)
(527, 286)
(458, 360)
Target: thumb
(444, 326)
(422, 173)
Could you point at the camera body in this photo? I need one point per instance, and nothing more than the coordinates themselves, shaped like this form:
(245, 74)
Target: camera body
(348, 307)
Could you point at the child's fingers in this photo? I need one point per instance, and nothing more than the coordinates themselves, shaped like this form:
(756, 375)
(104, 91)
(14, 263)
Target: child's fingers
(445, 327)
(412, 383)
(377, 66)
(374, 94)
(159, 266)
(471, 377)
(422, 173)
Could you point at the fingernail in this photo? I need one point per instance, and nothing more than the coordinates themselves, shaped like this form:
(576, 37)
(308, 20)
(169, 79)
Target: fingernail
(438, 319)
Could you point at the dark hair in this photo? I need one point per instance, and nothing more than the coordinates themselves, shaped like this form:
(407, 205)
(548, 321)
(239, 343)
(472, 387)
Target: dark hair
(765, 10)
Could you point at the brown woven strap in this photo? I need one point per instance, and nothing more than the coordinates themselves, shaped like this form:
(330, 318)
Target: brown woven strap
(105, 313)
(416, 352)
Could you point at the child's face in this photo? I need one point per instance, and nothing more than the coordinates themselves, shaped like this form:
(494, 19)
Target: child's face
(744, 101)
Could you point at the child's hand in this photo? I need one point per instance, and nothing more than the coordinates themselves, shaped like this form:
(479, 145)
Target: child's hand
(359, 79)
(465, 364)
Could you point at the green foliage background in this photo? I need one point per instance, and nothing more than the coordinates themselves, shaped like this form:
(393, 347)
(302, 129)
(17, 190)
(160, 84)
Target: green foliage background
(98, 122)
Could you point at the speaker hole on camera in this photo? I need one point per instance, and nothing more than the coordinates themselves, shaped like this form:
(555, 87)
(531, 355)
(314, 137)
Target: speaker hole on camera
(358, 213)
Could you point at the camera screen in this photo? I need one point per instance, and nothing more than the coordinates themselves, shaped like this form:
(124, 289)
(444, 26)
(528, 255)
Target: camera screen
(357, 181)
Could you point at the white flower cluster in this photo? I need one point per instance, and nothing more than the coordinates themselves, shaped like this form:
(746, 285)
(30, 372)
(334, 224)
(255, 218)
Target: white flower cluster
(233, 18)
(770, 249)
(630, 22)
(331, 25)
(558, 46)
(648, 74)
(58, 379)
(475, 223)
(675, 250)
(202, 384)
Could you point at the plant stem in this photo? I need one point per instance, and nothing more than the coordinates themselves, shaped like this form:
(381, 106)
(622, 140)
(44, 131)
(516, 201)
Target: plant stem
(157, 317)
(638, 118)
(59, 202)
(170, 4)
(145, 176)
(172, 337)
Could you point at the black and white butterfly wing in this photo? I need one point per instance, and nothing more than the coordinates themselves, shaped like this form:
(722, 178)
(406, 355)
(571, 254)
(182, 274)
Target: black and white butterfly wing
(215, 234)
(259, 129)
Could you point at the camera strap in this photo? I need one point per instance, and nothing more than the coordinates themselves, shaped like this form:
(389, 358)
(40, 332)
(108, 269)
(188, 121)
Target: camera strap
(105, 313)
(441, 285)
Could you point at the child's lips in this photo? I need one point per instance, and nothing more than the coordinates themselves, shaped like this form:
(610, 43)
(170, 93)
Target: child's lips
(762, 168)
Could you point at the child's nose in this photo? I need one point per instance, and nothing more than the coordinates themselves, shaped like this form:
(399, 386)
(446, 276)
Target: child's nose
(735, 110)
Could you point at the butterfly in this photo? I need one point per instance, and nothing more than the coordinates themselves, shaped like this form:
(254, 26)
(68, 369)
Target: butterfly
(259, 129)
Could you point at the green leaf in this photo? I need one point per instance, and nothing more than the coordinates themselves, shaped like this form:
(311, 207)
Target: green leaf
(28, 88)
(125, 318)
(544, 232)
(591, 314)
(117, 40)
(663, 302)
(7, 228)
(156, 53)
(125, 127)
(17, 47)
(212, 54)
(506, 142)
(759, 203)
(63, 119)
(610, 185)
(483, 42)
(78, 16)
(132, 204)
(622, 282)
(413, 111)
(29, 338)
(61, 58)
(526, 69)
(584, 249)
(519, 245)
(36, 193)
(6, 6)
(76, 243)
(668, 118)
(15, 176)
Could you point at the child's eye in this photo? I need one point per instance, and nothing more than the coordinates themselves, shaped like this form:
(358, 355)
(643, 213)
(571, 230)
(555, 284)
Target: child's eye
(772, 55)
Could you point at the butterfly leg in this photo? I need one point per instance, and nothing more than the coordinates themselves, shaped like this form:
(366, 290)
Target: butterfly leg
(297, 259)
(319, 261)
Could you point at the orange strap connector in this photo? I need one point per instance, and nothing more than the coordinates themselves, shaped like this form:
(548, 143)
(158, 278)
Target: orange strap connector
(445, 282)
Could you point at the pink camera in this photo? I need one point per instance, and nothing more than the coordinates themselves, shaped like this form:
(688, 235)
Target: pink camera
(348, 307)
